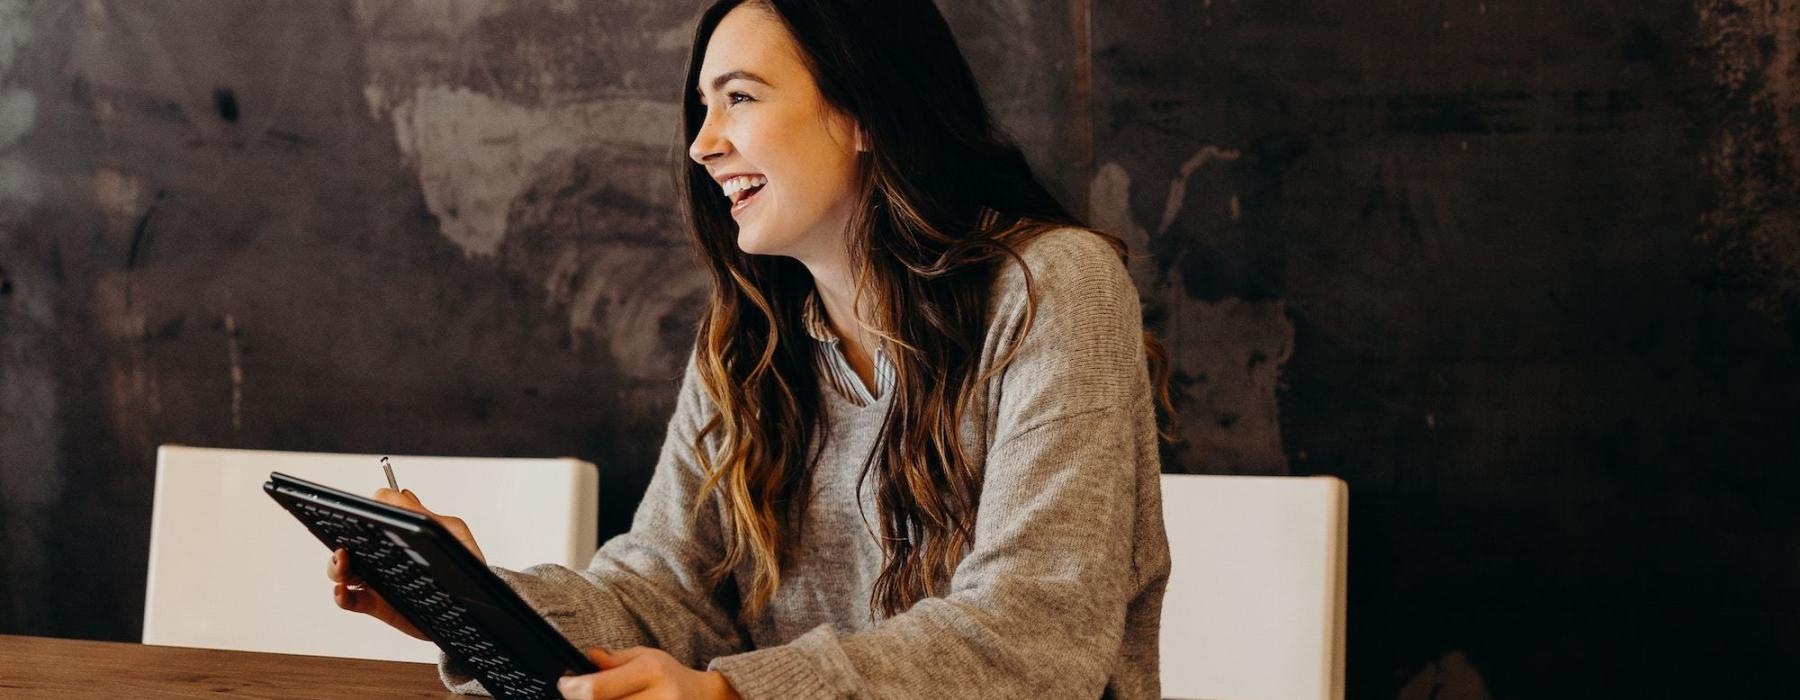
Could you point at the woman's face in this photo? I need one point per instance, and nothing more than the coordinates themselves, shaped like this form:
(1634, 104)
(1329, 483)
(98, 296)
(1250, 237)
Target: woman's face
(765, 118)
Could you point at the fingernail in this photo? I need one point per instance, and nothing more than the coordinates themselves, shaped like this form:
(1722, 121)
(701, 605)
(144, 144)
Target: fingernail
(566, 684)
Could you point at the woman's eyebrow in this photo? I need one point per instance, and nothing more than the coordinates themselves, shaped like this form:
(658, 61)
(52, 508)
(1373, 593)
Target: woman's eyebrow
(719, 82)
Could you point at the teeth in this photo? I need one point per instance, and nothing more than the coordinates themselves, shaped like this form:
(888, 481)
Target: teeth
(742, 182)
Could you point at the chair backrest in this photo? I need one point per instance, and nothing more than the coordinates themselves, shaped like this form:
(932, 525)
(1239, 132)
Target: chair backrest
(1255, 604)
(230, 569)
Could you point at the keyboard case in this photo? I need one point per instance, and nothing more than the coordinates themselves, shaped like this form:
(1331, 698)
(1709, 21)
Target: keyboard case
(438, 585)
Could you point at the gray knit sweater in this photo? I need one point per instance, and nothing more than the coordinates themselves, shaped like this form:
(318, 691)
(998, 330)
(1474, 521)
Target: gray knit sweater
(1059, 596)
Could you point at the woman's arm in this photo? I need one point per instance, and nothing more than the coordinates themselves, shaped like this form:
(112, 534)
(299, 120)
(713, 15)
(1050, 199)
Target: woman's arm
(1039, 606)
(646, 587)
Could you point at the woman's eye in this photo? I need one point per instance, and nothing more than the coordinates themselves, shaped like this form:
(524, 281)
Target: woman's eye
(733, 97)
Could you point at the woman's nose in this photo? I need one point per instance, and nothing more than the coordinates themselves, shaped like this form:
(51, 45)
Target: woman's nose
(707, 145)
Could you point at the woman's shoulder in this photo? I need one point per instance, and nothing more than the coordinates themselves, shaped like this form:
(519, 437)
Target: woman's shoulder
(1068, 289)
(1069, 243)
(1061, 262)
(1065, 318)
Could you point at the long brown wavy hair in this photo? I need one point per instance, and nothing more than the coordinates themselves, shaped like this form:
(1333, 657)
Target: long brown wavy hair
(924, 268)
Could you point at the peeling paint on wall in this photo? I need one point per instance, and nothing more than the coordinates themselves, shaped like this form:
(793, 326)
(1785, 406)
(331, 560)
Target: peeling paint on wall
(30, 399)
(133, 394)
(120, 197)
(447, 19)
(234, 353)
(110, 303)
(1178, 186)
(28, 409)
(533, 54)
(1755, 154)
(1226, 355)
(484, 95)
(542, 135)
(473, 153)
(15, 30)
(19, 181)
(18, 114)
(607, 248)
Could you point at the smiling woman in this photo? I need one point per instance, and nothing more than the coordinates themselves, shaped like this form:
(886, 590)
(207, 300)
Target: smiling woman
(915, 450)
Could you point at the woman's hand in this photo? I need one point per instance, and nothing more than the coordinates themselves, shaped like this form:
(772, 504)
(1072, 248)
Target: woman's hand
(350, 593)
(643, 673)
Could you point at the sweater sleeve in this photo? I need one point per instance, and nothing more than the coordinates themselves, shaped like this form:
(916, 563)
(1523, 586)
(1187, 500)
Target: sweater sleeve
(1037, 607)
(646, 587)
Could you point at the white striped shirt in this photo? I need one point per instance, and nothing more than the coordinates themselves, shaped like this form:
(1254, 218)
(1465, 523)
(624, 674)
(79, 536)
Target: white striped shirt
(834, 368)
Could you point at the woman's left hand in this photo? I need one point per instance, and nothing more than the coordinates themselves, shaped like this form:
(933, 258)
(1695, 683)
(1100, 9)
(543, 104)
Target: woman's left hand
(642, 672)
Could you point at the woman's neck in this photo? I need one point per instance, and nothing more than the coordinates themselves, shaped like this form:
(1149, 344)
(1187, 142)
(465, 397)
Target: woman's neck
(837, 293)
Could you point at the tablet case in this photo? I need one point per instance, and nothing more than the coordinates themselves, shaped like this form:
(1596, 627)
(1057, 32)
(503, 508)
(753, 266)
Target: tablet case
(436, 583)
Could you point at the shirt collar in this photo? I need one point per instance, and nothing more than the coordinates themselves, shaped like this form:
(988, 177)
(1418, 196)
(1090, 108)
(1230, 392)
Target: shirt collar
(813, 318)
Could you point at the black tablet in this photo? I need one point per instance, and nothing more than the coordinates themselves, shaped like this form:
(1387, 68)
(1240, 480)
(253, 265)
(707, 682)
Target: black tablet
(439, 585)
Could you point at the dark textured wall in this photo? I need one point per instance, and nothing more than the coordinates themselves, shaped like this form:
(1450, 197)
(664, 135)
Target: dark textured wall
(1526, 274)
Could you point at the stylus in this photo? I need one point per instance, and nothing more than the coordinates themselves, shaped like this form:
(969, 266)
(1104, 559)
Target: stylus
(389, 470)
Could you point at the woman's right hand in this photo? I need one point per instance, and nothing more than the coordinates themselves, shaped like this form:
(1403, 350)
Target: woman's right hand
(351, 594)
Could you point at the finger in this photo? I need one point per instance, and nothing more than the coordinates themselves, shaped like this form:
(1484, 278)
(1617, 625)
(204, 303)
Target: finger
(456, 526)
(355, 599)
(401, 499)
(406, 499)
(362, 601)
(370, 603)
(338, 569)
(614, 683)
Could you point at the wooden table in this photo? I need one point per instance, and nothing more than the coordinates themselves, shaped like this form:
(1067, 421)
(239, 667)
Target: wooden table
(32, 667)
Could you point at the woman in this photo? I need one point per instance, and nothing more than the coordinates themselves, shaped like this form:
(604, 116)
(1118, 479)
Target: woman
(914, 454)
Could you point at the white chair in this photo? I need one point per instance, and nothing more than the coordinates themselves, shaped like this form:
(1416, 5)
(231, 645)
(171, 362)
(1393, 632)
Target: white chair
(230, 569)
(1255, 604)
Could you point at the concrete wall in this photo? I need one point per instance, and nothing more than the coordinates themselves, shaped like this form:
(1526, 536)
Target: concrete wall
(1526, 274)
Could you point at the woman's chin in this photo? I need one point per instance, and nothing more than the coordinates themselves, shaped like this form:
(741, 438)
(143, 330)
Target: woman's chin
(756, 239)
(751, 241)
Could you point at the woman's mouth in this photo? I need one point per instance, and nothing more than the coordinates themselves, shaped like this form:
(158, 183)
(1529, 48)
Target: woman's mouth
(741, 189)
(744, 199)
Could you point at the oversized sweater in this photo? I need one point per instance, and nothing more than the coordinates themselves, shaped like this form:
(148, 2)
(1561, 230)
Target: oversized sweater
(1059, 595)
